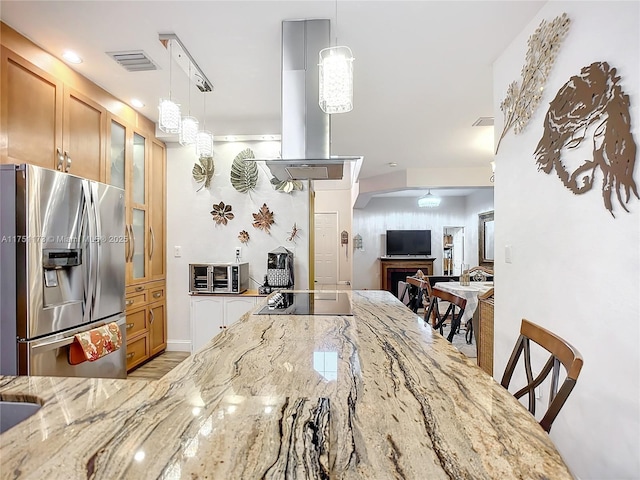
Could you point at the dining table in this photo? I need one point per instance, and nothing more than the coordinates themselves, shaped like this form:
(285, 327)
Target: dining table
(469, 292)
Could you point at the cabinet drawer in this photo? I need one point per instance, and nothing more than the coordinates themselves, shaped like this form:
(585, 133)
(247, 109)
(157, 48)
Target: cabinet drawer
(156, 294)
(135, 300)
(137, 351)
(136, 323)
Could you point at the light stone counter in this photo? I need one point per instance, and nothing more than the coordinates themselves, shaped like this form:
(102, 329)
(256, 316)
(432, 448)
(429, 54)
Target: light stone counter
(377, 395)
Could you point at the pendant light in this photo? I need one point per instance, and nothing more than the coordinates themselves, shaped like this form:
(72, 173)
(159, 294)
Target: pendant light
(189, 126)
(429, 200)
(204, 139)
(169, 111)
(335, 70)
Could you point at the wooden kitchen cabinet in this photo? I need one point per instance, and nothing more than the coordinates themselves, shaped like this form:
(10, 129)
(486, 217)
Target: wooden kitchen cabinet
(157, 206)
(146, 323)
(47, 123)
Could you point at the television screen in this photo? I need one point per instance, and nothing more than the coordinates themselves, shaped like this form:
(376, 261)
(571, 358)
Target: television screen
(408, 242)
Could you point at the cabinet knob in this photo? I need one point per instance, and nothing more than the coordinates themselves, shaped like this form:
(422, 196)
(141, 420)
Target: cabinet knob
(157, 294)
(68, 163)
(128, 302)
(131, 355)
(139, 288)
(130, 325)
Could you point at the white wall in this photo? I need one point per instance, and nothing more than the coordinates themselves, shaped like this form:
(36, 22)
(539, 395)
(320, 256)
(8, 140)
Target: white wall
(191, 226)
(382, 214)
(575, 268)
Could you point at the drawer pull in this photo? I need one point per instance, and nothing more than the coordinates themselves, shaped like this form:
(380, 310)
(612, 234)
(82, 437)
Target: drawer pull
(157, 294)
(139, 288)
(131, 355)
(128, 302)
(130, 325)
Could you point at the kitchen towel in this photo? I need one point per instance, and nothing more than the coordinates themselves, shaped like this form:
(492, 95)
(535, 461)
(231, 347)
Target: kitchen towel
(94, 344)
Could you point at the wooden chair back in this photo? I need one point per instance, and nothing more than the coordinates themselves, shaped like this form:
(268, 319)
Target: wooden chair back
(562, 352)
(433, 312)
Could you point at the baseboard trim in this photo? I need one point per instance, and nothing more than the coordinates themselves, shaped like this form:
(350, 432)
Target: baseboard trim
(179, 346)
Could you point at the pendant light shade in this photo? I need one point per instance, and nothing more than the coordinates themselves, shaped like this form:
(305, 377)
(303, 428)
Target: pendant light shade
(336, 80)
(169, 116)
(204, 144)
(429, 200)
(189, 130)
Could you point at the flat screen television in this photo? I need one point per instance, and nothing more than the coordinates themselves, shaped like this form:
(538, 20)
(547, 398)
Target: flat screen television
(408, 242)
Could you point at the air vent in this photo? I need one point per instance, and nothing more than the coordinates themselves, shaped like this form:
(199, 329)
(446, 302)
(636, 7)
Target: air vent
(134, 60)
(483, 122)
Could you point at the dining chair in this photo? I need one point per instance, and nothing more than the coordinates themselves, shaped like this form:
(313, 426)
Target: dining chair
(562, 352)
(479, 273)
(433, 312)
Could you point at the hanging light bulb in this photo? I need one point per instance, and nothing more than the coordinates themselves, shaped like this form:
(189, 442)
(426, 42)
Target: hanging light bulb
(169, 111)
(429, 200)
(336, 80)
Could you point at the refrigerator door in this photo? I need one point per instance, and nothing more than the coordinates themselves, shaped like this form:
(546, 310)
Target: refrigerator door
(51, 271)
(108, 207)
(49, 356)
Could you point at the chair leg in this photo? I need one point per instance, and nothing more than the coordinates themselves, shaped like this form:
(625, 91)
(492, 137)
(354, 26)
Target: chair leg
(468, 336)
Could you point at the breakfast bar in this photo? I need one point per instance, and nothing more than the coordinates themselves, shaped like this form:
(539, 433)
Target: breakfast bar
(374, 393)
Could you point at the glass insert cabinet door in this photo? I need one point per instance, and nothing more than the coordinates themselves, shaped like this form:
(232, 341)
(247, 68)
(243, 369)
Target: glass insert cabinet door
(117, 155)
(138, 217)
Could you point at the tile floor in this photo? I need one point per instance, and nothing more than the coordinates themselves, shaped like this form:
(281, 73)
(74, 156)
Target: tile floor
(158, 367)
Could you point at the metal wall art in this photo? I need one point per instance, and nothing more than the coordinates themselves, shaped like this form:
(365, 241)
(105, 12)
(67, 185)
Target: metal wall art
(222, 213)
(204, 172)
(244, 175)
(294, 233)
(263, 219)
(591, 108)
(522, 100)
(243, 236)
(286, 186)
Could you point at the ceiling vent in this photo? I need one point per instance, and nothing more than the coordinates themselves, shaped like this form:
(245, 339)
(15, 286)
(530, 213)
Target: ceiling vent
(134, 60)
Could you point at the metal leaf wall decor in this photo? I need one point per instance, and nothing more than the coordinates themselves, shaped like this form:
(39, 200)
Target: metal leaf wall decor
(294, 233)
(522, 100)
(244, 175)
(203, 172)
(591, 108)
(286, 186)
(263, 219)
(243, 236)
(222, 213)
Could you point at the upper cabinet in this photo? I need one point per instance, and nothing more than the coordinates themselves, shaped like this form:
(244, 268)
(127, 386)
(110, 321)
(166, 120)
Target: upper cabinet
(47, 123)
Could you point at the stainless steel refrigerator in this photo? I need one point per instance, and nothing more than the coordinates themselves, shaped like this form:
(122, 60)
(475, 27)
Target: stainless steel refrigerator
(62, 270)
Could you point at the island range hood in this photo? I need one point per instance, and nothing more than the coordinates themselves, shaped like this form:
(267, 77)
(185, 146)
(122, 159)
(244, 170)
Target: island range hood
(306, 129)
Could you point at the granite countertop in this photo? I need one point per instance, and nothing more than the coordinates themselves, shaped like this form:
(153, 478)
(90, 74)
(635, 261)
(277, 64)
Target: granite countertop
(374, 395)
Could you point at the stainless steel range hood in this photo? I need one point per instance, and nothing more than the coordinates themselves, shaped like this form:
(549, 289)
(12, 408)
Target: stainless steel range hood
(306, 129)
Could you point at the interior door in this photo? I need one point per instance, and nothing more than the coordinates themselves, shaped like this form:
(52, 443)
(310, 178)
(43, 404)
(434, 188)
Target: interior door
(326, 249)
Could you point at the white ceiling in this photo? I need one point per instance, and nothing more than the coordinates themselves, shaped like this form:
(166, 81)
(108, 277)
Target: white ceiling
(423, 69)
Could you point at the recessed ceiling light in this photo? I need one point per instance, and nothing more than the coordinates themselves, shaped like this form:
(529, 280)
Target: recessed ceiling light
(137, 103)
(71, 57)
(393, 164)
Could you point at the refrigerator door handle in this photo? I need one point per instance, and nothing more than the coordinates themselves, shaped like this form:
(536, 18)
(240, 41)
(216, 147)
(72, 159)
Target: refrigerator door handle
(62, 342)
(90, 243)
(98, 247)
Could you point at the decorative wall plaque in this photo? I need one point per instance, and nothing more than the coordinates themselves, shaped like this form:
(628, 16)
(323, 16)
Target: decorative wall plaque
(522, 100)
(243, 236)
(286, 186)
(204, 172)
(263, 219)
(587, 132)
(244, 175)
(222, 213)
(294, 233)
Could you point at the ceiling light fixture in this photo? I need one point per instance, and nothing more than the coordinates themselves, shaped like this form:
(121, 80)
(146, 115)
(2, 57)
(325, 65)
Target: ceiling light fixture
(71, 57)
(204, 139)
(189, 125)
(335, 92)
(169, 111)
(429, 200)
(137, 103)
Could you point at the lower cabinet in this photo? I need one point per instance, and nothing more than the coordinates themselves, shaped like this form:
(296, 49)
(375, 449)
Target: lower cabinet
(211, 314)
(146, 322)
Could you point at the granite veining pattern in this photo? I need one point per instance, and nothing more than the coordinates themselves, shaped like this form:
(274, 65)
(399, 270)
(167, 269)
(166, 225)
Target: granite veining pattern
(374, 395)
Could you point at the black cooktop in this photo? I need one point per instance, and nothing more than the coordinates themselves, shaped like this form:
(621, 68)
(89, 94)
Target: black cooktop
(307, 303)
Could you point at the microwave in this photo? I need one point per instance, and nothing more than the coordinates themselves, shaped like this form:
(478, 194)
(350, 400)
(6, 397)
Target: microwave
(218, 277)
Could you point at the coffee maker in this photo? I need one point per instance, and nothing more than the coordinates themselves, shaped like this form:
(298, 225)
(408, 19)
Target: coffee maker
(280, 268)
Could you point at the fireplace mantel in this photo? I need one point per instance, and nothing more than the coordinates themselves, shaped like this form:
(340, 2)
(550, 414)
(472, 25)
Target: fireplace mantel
(401, 267)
